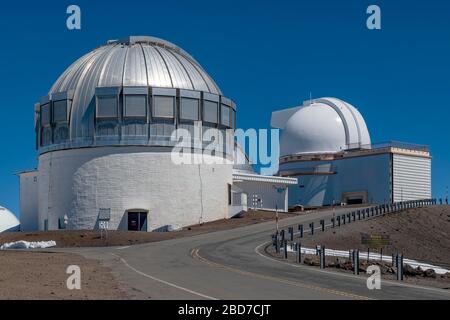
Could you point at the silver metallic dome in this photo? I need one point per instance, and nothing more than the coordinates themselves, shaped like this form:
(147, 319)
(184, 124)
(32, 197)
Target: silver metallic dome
(134, 61)
(130, 91)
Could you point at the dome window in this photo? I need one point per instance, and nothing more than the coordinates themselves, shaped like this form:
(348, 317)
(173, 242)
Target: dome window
(210, 111)
(190, 109)
(135, 106)
(45, 114)
(60, 111)
(107, 107)
(225, 115)
(163, 107)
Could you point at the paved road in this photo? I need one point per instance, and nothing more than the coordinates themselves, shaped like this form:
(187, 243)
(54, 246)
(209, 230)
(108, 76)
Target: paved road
(230, 265)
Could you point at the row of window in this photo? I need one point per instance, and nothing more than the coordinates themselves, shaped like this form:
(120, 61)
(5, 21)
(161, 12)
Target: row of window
(60, 112)
(135, 106)
(132, 129)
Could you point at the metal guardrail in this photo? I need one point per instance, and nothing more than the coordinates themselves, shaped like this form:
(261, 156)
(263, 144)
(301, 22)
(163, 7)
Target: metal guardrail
(280, 239)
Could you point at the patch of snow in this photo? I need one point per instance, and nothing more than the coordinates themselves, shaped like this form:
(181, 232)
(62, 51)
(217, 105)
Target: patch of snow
(28, 245)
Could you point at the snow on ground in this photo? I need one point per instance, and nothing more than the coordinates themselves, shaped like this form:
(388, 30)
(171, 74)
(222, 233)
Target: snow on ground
(28, 245)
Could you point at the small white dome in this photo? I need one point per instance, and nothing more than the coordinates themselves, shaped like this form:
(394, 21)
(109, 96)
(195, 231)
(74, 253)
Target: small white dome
(8, 221)
(324, 125)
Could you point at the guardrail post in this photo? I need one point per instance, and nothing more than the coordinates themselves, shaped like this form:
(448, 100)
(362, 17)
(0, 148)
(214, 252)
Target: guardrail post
(291, 233)
(285, 253)
(322, 257)
(339, 221)
(311, 225)
(354, 216)
(343, 218)
(399, 265)
(299, 252)
(300, 229)
(322, 224)
(355, 262)
(282, 235)
(359, 215)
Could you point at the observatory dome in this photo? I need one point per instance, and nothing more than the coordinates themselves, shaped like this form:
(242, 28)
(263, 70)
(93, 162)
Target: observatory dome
(127, 92)
(325, 125)
(8, 221)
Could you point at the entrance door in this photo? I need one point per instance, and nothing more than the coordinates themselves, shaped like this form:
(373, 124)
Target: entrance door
(137, 221)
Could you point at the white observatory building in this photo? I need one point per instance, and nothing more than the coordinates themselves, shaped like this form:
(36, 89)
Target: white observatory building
(104, 142)
(104, 148)
(325, 143)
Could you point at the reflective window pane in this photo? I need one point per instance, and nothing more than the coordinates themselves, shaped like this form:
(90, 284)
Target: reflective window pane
(189, 109)
(107, 107)
(135, 106)
(45, 114)
(210, 111)
(163, 107)
(60, 111)
(225, 115)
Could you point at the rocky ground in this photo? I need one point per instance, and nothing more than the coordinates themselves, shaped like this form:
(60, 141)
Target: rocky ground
(36, 275)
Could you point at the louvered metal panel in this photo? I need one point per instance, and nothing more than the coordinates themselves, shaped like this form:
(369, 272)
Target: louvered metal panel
(411, 177)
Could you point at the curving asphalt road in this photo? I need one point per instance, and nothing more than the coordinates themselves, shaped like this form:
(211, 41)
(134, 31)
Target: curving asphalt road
(231, 265)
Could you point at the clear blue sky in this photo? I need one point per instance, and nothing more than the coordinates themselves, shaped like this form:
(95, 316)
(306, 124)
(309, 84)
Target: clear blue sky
(266, 55)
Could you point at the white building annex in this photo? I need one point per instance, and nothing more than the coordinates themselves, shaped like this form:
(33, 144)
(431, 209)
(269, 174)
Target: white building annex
(326, 144)
(103, 137)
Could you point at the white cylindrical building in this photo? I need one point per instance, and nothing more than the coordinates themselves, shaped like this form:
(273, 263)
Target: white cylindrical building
(104, 139)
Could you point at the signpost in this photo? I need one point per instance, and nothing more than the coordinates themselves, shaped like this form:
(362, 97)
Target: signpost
(104, 216)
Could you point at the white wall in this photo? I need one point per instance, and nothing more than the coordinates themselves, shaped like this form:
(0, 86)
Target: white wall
(81, 181)
(270, 198)
(28, 201)
(411, 177)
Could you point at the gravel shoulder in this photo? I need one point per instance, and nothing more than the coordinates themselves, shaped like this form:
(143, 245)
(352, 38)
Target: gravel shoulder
(42, 276)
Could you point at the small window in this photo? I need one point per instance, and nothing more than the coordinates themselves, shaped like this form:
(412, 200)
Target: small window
(232, 118)
(45, 114)
(107, 107)
(61, 134)
(60, 111)
(210, 112)
(163, 107)
(46, 136)
(135, 105)
(225, 115)
(189, 109)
